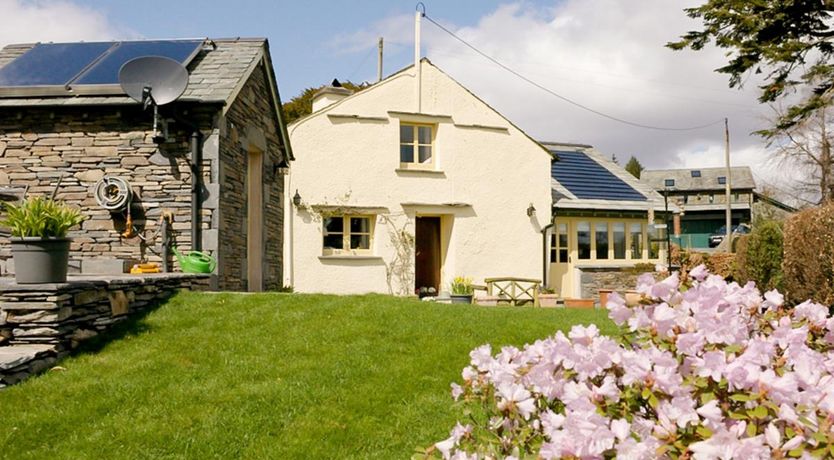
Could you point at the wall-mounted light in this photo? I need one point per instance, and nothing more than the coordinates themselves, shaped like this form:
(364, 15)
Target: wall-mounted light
(531, 210)
(296, 199)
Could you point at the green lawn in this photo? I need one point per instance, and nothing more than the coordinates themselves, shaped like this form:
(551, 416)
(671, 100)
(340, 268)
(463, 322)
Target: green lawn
(265, 376)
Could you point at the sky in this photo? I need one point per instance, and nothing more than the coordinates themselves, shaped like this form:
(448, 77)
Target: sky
(605, 54)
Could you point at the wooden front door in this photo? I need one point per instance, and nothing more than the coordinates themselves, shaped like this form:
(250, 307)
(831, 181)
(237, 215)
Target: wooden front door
(254, 220)
(427, 253)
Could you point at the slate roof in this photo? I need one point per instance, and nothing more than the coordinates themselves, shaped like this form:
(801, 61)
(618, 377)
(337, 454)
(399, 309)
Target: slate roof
(741, 178)
(583, 178)
(215, 75)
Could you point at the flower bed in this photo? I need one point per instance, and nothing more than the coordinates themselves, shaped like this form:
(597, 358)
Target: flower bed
(703, 369)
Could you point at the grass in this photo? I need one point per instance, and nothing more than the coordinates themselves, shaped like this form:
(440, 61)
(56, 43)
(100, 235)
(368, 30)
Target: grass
(266, 376)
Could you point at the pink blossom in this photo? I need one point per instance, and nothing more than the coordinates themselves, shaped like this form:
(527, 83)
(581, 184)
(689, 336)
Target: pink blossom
(815, 313)
(699, 273)
(513, 396)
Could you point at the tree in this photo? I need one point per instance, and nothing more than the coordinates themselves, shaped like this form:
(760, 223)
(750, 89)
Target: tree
(302, 105)
(807, 147)
(789, 40)
(634, 167)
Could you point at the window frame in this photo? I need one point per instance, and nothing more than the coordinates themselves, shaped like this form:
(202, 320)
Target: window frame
(415, 144)
(346, 234)
(668, 182)
(695, 173)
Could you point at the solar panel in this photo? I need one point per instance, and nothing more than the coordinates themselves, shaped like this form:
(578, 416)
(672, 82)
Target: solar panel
(587, 179)
(52, 64)
(106, 71)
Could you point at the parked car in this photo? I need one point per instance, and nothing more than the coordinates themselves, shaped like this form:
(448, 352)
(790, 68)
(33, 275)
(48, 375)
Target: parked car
(718, 236)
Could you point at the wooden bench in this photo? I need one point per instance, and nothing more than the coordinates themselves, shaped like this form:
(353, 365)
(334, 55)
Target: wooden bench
(514, 291)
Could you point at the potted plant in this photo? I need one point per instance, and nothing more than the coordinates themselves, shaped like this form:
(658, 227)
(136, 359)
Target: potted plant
(40, 246)
(462, 290)
(548, 298)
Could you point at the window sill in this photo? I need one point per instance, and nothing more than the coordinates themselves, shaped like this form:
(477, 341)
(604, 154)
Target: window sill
(349, 257)
(414, 171)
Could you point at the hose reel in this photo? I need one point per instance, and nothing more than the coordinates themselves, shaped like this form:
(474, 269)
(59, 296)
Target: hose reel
(115, 195)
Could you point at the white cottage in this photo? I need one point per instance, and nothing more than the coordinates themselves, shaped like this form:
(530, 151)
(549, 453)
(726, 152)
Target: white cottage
(410, 183)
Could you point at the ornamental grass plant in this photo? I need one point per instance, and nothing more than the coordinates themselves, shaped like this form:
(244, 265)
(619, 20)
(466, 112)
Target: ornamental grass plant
(41, 218)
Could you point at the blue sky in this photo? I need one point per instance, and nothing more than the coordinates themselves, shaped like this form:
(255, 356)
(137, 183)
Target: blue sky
(303, 35)
(606, 54)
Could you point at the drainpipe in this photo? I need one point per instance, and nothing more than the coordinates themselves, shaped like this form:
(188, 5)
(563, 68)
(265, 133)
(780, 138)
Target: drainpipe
(196, 184)
(544, 251)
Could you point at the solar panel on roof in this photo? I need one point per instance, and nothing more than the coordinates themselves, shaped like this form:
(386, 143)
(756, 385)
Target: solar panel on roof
(587, 179)
(51, 64)
(106, 71)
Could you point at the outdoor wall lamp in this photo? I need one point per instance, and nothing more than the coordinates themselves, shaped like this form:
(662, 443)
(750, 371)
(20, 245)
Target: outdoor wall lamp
(296, 199)
(531, 210)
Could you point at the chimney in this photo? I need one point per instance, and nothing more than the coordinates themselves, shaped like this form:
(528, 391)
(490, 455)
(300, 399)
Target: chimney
(329, 95)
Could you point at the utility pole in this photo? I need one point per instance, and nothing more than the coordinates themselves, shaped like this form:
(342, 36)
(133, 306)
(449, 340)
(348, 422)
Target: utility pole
(379, 62)
(727, 186)
(418, 70)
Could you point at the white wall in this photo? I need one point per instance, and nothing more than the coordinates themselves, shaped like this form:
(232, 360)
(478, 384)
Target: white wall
(353, 162)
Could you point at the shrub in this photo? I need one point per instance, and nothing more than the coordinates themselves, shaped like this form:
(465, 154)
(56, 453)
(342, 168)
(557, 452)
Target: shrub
(40, 217)
(705, 369)
(740, 274)
(761, 255)
(808, 266)
(721, 263)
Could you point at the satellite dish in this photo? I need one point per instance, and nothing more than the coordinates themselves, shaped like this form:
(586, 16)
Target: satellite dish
(153, 80)
(161, 78)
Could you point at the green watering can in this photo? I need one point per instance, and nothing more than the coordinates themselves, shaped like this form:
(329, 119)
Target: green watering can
(195, 261)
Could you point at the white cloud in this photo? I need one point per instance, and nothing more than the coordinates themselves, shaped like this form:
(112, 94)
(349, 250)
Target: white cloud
(34, 21)
(608, 55)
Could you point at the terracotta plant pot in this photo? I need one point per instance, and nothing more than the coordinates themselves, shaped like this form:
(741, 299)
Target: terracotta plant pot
(548, 300)
(579, 303)
(603, 296)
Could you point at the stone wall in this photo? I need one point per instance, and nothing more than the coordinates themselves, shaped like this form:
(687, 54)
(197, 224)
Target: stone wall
(41, 323)
(242, 133)
(618, 279)
(79, 146)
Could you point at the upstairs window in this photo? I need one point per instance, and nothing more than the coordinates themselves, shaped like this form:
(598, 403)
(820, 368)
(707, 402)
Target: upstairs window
(347, 235)
(722, 180)
(416, 146)
(695, 173)
(669, 182)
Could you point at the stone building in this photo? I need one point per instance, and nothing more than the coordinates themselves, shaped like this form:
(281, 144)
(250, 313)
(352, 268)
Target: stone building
(75, 133)
(701, 196)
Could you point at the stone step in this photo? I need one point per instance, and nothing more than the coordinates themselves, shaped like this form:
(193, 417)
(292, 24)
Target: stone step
(18, 355)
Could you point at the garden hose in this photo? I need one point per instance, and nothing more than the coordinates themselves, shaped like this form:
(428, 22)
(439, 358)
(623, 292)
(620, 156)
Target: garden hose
(113, 193)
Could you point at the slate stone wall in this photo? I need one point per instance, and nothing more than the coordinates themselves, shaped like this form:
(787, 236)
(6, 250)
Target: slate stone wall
(242, 133)
(618, 279)
(42, 323)
(79, 146)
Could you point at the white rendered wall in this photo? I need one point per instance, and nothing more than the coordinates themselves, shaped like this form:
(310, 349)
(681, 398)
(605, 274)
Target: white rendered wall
(343, 161)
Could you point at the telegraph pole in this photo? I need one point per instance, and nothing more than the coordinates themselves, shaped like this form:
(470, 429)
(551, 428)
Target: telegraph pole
(379, 62)
(727, 186)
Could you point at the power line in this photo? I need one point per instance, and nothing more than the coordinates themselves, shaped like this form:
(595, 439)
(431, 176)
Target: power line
(566, 99)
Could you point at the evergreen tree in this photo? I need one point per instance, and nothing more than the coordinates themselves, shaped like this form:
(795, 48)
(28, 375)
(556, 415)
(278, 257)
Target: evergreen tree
(634, 167)
(302, 105)
(790, 42)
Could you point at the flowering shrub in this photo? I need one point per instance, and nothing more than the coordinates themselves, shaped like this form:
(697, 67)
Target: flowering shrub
(703, 369)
